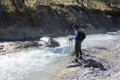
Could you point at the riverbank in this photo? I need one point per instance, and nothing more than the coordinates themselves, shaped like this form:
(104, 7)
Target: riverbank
(56, 18)
(15, 46)
(101, 63)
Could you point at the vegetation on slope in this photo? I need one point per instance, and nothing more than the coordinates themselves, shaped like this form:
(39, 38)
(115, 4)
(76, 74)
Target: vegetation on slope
(13, 11)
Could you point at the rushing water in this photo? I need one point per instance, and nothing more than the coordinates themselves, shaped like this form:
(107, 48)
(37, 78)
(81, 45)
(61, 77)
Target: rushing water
(30, 63)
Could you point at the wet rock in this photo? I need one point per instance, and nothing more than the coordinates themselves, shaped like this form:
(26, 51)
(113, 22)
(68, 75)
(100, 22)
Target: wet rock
(48, 42)
(94, 64)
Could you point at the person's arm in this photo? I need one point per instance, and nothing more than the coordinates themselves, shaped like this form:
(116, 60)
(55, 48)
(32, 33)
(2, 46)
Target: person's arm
(71, 38)
(75, 36)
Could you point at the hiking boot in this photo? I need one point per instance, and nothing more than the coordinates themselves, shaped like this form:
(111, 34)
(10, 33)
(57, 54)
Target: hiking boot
(80, 57)
(76, 60)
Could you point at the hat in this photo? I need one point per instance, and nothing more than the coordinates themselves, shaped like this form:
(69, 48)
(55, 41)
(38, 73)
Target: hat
(75, 26)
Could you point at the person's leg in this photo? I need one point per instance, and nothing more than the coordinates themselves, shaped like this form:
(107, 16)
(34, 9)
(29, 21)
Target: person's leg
(80, 50)
(77, 51)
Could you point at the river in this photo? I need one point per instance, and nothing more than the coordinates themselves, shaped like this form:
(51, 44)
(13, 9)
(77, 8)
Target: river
(35, 63)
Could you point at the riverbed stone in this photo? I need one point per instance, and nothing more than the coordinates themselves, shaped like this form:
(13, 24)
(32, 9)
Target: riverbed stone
(48, 42)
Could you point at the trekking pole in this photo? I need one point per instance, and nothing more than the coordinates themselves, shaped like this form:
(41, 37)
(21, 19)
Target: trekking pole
(69, 45)
(68, 42)
(70, 50)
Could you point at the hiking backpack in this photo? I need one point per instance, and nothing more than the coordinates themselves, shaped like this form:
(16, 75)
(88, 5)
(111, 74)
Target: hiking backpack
(81, 35)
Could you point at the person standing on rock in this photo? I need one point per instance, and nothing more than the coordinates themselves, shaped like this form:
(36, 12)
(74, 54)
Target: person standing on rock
(79, 36)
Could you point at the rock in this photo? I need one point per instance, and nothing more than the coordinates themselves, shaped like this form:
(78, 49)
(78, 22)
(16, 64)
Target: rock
(48, 42)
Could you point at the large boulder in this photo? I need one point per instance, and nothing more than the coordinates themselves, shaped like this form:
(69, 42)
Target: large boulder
(48, 42)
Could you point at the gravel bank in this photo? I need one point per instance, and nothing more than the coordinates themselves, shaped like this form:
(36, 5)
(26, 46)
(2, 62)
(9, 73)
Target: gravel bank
(101, 63)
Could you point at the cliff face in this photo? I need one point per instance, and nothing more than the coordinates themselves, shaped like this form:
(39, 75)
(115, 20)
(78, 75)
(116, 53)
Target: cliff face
(57, 19)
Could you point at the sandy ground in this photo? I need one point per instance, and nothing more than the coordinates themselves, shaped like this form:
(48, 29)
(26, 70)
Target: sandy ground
(100, 63)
